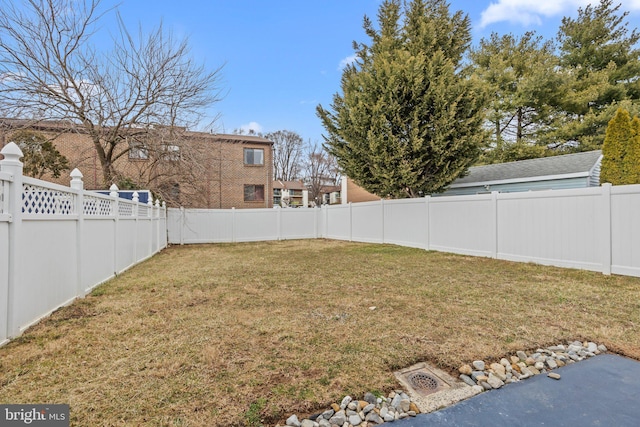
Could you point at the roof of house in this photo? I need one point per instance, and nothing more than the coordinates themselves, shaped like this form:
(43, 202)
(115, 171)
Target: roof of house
(289, 185)
(577, 164)
(62, 125)
(330, 188)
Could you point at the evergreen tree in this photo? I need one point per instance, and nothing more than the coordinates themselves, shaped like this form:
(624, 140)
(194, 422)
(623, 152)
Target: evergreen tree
(408, 121)
(618, 135)
(631, 161)
(601, 62)
(519, 75)
(40, 156)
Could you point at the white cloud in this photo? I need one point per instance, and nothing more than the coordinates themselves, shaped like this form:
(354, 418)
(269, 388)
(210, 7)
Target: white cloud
(251, 127)
(346, 61)
(529, 12)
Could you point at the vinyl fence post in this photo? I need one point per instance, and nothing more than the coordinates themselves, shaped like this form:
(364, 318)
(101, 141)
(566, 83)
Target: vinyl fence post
(279, 223)
(382, 225)
(494, 224)
(427, 244)
(316, 212)
(113, 192)
(350, 222)
(182, 221)
(606, 229)
(136, 214)
(325, 232)
(78, 185)
(157, 228)
(13, 203)
(150, 216)
(233, 225)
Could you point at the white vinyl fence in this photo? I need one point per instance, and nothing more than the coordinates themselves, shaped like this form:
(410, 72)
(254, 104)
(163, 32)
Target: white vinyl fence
(57, 243)
(594, 228)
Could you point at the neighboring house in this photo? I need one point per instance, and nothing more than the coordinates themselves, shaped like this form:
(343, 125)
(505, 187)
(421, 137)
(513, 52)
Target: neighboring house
(353, 193)
(331, 195)
(577, 170)
(194, 169)
(290, 194)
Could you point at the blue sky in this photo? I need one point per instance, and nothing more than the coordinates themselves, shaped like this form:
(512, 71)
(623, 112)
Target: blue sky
(282, 57)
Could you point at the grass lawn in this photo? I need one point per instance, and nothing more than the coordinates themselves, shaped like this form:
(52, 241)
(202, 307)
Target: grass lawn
(247, 334)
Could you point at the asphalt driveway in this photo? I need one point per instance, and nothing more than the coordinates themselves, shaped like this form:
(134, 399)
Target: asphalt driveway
(600, 391)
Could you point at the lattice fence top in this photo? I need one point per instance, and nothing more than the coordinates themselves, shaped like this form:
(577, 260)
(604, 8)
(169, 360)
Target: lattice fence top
(46, 201)
(96, 206)
(125, 209)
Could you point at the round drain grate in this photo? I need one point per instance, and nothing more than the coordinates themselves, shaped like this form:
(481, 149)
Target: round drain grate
(423, 382)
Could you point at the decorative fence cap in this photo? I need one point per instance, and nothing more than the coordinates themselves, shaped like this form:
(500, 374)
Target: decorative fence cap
(12, 153)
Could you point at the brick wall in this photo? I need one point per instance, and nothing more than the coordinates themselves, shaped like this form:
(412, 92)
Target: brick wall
(207, 172)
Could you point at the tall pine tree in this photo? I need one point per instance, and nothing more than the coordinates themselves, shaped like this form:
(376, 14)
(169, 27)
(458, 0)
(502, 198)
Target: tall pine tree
(520, 75)
(600, 58)
(408, 121)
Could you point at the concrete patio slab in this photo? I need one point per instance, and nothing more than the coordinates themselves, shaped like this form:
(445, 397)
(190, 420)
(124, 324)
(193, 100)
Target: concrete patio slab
(600, 391)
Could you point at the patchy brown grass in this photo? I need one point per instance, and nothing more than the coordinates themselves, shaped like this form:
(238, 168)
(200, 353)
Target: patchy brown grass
(224, 335)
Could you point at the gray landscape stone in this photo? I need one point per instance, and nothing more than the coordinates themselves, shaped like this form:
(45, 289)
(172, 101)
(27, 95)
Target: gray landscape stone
(345, 401)
(478, 365)
(293, 421)
(339, 418)
(355, 420)
(467, 380)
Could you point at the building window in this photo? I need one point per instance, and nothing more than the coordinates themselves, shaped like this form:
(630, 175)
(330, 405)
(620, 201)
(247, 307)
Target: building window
(171, 152)
(138, 152)
(254, 193)
(254, 156)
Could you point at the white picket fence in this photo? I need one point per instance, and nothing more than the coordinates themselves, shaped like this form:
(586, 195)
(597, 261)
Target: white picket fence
(594, 228)
(57, 243)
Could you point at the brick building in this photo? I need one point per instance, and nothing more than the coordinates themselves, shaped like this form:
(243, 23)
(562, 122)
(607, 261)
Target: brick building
(190, 169)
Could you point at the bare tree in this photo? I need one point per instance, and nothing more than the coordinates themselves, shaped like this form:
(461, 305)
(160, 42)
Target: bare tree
(50, 70)
(287, 154)
(320, 171)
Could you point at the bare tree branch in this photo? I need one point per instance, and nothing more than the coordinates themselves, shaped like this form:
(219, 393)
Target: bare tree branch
(50, 70)
(320, 171)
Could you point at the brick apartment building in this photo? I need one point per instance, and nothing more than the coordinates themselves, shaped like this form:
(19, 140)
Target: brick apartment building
(193, 169)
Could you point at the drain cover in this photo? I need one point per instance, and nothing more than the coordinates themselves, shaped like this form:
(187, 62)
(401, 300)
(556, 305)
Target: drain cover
(421, 381)
(424, 381)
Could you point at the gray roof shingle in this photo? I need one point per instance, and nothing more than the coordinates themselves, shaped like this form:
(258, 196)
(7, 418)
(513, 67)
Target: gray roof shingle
(545, 166)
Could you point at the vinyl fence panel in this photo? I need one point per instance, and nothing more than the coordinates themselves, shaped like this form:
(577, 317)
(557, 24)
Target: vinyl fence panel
(405, 222)
(625, 230)
(338, 222)
(367, 222)
(591, 228)
(252, 225)
(463, 224)
(98, 253)
(48, 269)
(552, 227)
(298, 223)
(58, 242)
